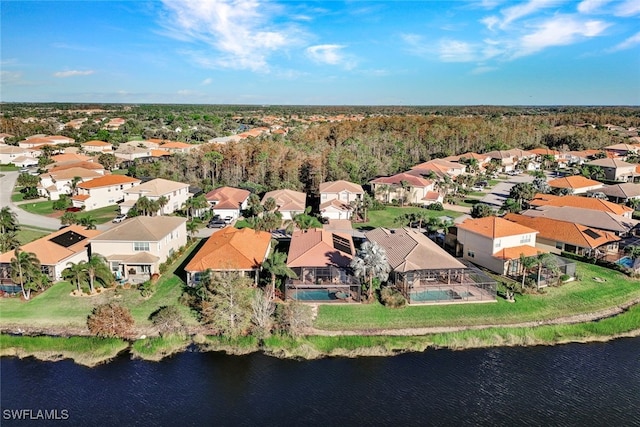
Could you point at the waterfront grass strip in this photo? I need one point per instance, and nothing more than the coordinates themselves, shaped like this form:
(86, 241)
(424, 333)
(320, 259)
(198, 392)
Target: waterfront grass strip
(157, 348)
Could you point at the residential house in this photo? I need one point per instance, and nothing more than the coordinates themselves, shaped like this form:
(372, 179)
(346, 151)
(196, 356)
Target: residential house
(60, 159)
(407, 187)
(544, 151)
(53, 184)
(9, 154)
(54, 251)
(426, 273)
(178, 147)
(97, 147)
(92, 166)
(103, 191)
(575, 184)
(481, 159)
(321, 260)
(617, 169)
(131, 152)
(37, 140)
(176, 193)
(496, 244)
(230, 249)
(603, 220)
(620, 193)
(621, 150)
(336, 198)
(25, 161)
(591, 203)
(440, 168)
(114, 124)
(288, 202)
(509, 159)
(228, 201)
(136, 247)
(556, 236)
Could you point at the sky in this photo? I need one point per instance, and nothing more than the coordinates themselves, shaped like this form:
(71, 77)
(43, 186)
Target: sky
(464, 52)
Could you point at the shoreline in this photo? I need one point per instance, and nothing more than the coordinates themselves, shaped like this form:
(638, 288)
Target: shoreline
(617, 322)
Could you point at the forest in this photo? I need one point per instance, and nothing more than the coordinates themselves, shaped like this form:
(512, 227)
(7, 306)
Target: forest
(381, 141)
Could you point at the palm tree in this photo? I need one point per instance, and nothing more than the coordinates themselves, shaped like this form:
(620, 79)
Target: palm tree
(8, 220)
(192, 228)
(544, 259)
(24, 266)
(98, 269)
(88, 222)
(75, 273)
(369, 262)
(162, 202)
(302, 221)
(526, 264)
(276, 265)
(8, 241)
(144, 204)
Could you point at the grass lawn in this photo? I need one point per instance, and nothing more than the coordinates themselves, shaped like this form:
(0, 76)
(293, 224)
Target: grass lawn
(17, 197)
(386, 217)
(56, 307)
(39, 208)
(101, 215)
(8, 168)
(28, 233)
(584, 296)
(119, 171)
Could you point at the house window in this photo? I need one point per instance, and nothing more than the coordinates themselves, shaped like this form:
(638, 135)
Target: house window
(497, 244)
(559, 245)
(525, 238)
(471, 254)
(141, 246)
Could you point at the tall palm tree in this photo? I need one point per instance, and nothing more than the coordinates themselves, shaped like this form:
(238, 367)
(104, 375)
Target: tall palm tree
(162, 202)
(24, 266)
(98, 269)
(8, 241)
(8, 220)
(526, 264)
(144, 205)
(544, 259)
(75, 272)
(192, 228)
(276, 265)
(369, 262)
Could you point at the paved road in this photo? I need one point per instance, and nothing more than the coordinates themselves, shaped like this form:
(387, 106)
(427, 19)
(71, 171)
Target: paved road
(500, 191)
(7, 182)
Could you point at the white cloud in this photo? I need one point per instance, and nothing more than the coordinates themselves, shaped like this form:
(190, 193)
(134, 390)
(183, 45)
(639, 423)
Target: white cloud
(483, 69)
(239, 31)
(560, 30)
(628, 43)
(73, 73)
(9, 77)
(627, 8)
(207, 81)
(591, 6)
(514, 13)
(329, 54)
(456, 51)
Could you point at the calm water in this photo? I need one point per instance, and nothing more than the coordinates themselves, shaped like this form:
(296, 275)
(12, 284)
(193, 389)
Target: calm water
(570, 385)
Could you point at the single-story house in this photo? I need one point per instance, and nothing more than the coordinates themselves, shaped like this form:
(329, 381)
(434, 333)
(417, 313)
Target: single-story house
(572, 201)
(95, 146)
(288, 202)
(137, 246)
(617, 224)
(54, 251)
(620, 193)
(230, 249)
(617, 169)
(577, 184)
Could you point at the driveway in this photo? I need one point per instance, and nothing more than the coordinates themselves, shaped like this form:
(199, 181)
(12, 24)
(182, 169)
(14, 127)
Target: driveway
(7, 182)
(500, 191)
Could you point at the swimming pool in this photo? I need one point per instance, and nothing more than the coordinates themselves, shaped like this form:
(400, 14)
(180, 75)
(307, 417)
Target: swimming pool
(433, 295)
(625, 262)
(10, 289)
(311, 295)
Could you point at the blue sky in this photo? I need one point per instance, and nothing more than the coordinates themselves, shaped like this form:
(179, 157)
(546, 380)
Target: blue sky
(536, 52)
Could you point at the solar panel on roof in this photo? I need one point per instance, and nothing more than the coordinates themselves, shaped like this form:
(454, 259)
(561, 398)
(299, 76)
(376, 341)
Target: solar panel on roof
(341, 244)
(67, 239)
(589, 232)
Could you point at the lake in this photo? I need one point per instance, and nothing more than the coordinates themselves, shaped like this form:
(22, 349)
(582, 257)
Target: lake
(568, 385)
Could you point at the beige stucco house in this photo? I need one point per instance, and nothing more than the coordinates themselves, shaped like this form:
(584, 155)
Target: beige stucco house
(336, 198)
(104, 191)
(136, 247)
(411, 188)
(288, 202)
(175, 192)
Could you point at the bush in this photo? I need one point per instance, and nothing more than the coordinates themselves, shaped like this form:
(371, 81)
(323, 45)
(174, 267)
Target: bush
(62, 203)
(167, 319)
(393, 298)
(147, 288)
(437, 206)
(111, 320)
(30, 193)
(293, 318)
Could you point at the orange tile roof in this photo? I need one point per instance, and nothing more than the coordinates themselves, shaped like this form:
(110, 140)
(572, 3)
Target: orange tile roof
(175, 144)
(580, 202)
(96, 143)
(413, 180)
(56, 167)
(108, 180)
(564, 231)
(50, 253)
(544, 151)
(573, 181)
(516, 251)
(315, 248)
(227, 197)
(232, 249)
(80, 197)
(493, 227)
(159, 153)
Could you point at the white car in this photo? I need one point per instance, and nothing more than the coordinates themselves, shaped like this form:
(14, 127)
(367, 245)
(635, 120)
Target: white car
(119, 218)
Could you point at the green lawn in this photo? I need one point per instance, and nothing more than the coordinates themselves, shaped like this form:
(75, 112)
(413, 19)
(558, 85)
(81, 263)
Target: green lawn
(8, 168)
(119, 171)
(101, 215)
(386, 217)
(17, 197)
(584, 296)
(56, 306)
(38, 208)
(28, 233)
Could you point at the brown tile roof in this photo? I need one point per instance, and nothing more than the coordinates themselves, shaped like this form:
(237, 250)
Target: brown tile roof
(564, 231)
(73, 172)
(431, 195)
(515, 252)
(232, 249)
(610, 163)
(544, 151)
(56, 167)
(588, 217)
(227, 197)
(408, 249)
(625, 190)
(579, 202)
(288, 200)
(317, 248)
(494, 227)
(157, 187)
(468, 155)
(59, 158)
(51, 253)
(340, 186)
(142, 229)
(439, 165)
(337, 204)
(573, 181)
(108, 180)
(397, 179)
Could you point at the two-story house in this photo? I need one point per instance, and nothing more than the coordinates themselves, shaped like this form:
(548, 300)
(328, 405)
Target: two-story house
(228, 201)
(288, 202)
(175, 194)
(405, 187)
(336, 198)
(104, 191)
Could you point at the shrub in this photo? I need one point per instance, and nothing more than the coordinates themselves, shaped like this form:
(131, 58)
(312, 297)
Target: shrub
(393, 298)
(167, 319)
(437, 206)
(111, 320)
(147, 288)
(30, 193)
(62, 203)
(293, 318)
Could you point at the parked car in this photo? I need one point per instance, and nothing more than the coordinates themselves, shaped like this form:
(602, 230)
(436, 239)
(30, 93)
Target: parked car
(228, 219)
(73, 209)
(119, 218)
(216, 223)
